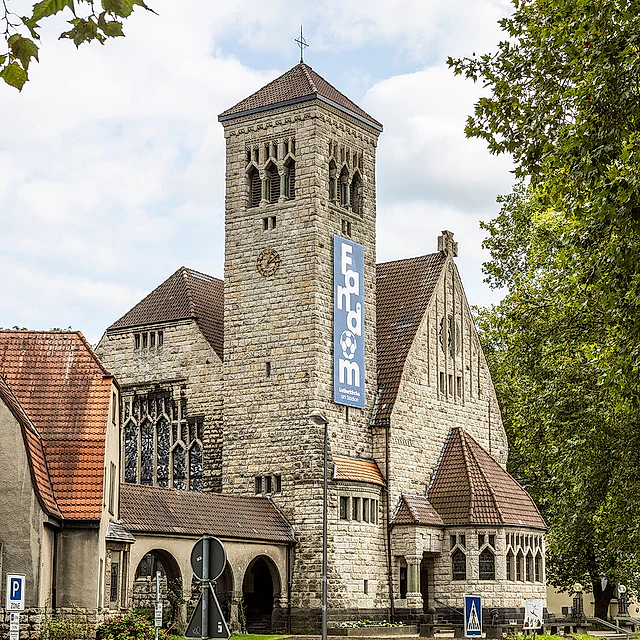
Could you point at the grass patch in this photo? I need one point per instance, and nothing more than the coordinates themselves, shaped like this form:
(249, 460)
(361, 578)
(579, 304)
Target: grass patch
(250, 636)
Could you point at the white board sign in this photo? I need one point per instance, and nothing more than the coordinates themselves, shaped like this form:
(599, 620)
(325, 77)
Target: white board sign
(15, 592)
(533, 612)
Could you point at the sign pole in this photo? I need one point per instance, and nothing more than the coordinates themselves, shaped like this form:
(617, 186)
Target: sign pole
(158, 607)
(205, 587)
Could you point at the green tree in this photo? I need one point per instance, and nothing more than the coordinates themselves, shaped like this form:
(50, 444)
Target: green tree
(89, 20)
(564, 101)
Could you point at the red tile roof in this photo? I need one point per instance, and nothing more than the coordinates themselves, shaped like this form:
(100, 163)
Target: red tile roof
(416, 510)
(403, 292)
(65, 391)
(187, 294)
(357, 470)
(35, 452)
(470, 487)
(157, 510)
(297, 85)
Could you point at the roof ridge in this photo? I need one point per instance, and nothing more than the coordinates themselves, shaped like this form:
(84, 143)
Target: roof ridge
(425, 255)
(489, 485)
(187, 285)
(305, 70)
(92, 353)
(411, 511)
(465, 458)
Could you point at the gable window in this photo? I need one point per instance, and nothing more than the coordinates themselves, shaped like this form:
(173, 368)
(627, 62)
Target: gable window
(487, 565)
(458, 565)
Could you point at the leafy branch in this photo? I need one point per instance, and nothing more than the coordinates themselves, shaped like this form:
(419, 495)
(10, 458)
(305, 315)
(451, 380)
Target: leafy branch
(89, 19)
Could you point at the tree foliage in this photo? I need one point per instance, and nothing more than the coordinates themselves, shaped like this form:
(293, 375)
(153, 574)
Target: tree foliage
(89, 20)
(564, 101)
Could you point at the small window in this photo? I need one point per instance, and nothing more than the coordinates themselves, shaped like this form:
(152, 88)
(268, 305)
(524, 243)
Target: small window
(268, 369)
(278, 483)
(160, 339)
(113, 596)
(462, 539)
(443, 386)
(265, 224)
(403, 582)
(152, 337)
(510, 565)
(529, 566)
(356, 509)
(459, 385)
(344, 508)
(452, 541)
(480, 540)
(365, 509)
(346, 228)
(538, 567)
(268, 484)
(112, 489)
(258, 484)
(450, 384)
(492, 540)
(145, 340)
(519, 566)
(487, 565)
(366, 586)
(458, 565)
(374, 512)
(114, 408)
(136, 341)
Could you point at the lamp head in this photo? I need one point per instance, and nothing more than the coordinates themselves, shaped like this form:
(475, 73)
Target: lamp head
(318, 418)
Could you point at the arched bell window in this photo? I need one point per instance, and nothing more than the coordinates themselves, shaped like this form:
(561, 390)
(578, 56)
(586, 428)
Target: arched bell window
(356, 194)
(290, 178)
(273, 184)
(255, 187)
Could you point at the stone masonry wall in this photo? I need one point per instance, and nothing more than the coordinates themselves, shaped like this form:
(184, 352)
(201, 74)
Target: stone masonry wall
(498, 593)
(187, 365)
(286, 320)
(424, 413)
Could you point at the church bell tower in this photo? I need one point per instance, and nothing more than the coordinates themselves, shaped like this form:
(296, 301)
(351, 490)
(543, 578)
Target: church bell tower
(300, 170)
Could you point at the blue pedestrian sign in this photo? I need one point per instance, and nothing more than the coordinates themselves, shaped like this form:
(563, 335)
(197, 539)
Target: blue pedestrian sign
(472, 616)
(15, 592)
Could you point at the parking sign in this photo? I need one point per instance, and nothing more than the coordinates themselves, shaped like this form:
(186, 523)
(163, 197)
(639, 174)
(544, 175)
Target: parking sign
(15, 592)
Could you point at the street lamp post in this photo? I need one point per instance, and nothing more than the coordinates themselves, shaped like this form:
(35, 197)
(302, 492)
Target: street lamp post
(318, 419)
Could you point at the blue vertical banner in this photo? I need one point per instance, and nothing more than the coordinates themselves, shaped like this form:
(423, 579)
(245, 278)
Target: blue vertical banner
(472, 616)
(348, 322)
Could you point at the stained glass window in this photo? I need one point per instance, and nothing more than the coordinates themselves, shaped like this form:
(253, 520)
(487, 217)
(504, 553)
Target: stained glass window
(163, 447)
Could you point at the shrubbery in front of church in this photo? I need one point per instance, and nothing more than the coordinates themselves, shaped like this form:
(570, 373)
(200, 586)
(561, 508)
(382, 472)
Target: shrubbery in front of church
(127, 627)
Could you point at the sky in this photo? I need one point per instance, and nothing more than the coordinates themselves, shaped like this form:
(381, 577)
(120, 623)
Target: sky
(112, 157)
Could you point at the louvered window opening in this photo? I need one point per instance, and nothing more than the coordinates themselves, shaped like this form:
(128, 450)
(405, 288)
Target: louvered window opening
(255, 188)
(273, 185)
(162, 445)
(487, 565)
(290, 180)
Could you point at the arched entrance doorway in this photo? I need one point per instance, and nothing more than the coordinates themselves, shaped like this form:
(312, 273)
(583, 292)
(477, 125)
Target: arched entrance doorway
(144, 586)
(260, 587)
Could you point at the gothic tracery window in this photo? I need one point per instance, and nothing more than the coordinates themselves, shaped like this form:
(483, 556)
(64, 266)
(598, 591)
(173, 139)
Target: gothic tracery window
(487, 565)
(458, 565)
(162, 445)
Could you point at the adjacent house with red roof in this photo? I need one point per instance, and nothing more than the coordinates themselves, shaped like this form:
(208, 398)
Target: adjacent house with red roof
(59, 415)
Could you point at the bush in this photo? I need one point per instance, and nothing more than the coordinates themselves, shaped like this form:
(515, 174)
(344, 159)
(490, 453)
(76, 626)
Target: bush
(363, 622)
(127, 627)
(56, 627)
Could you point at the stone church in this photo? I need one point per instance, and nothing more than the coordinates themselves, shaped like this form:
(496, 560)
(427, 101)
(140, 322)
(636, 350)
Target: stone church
(227, 387)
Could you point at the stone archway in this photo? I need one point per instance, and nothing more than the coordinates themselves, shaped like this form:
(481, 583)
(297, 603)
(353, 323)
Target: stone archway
(260, 592)
(171, 585)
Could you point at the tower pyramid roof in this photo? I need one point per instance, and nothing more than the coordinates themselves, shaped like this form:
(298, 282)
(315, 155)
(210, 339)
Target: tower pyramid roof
(300, 84)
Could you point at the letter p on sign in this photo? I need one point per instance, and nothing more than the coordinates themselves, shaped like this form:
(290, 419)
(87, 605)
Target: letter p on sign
(15, 592)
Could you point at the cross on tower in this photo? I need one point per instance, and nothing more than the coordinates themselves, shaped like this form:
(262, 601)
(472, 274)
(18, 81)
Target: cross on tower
(302, 43)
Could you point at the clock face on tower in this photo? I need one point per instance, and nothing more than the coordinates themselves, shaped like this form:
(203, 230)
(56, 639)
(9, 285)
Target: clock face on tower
(268, 262)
